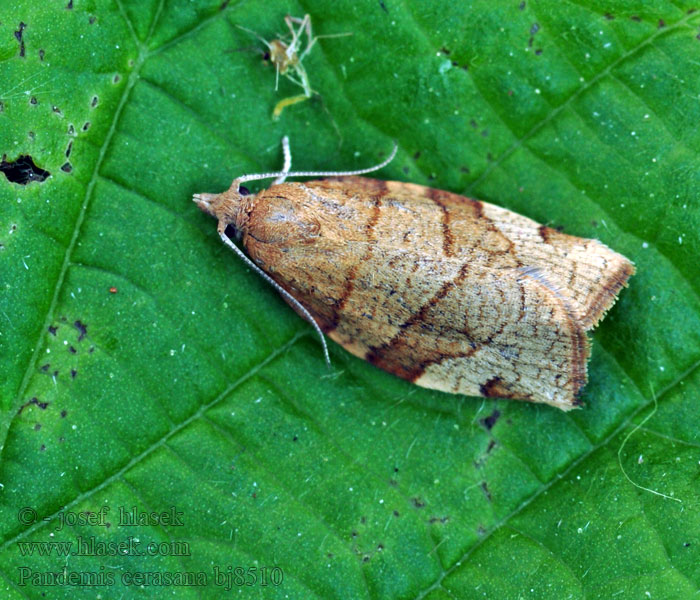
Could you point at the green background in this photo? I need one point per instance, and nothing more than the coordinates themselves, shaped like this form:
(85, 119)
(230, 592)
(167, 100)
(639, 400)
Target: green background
(196, 386)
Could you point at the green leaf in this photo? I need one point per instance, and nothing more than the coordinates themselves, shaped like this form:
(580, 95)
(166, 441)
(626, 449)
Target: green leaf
(142, 365)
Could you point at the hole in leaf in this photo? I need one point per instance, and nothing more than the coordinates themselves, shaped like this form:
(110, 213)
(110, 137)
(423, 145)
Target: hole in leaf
(82, 329)
(66, 167)
(86, 126)
(19, 37)
(23, 170)
(94, 101)
(491, 420)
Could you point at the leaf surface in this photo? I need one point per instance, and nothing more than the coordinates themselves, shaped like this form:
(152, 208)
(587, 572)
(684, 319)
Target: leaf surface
(144, 366)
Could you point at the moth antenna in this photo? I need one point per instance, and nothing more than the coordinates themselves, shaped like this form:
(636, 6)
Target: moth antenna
(255, 177)
(287, 160)
(280, 289)
(251, 32)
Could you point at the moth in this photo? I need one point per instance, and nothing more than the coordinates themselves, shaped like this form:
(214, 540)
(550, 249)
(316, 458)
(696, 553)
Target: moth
(451, 293)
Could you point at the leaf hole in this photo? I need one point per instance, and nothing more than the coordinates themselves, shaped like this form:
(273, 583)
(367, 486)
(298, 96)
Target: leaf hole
(41, 54)
(491, 420)
(92, 19)
(23, 170)
(70, 147)
(86, 126)
(19, 36)
(94, 101)
(33, 101)
(67, 167)
(116, 79)
(82, 329)
(69, 6)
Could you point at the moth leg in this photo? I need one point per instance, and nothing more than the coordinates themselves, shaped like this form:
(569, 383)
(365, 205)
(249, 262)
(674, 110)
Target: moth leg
(295, 44)
(287, 161)
(221, 229)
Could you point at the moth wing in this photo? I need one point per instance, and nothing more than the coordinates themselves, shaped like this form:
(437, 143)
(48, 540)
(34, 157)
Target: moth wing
(451, 293)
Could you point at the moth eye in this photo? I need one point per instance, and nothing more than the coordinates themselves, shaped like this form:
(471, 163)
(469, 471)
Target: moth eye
(243, 190)
(232, 233)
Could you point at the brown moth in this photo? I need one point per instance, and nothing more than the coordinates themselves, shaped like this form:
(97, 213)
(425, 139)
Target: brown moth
(450, 293)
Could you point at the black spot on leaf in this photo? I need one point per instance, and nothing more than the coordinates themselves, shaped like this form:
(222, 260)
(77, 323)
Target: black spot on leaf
(82, 328)
(41, 405)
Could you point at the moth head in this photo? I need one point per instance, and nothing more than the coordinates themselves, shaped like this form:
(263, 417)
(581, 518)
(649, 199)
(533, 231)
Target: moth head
(229, 207)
